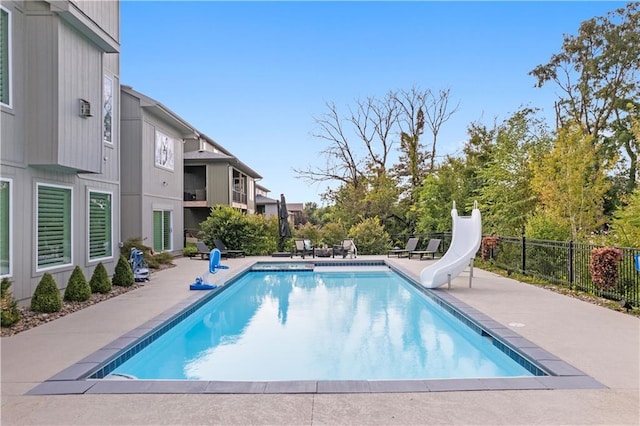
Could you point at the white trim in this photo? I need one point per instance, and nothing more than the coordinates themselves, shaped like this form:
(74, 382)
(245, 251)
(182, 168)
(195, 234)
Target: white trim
(35, 251)
(10, 181)
(88, 234)
(10, 54)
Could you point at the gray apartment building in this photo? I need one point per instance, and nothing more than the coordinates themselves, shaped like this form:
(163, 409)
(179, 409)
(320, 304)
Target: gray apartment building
(152, 174)
(87, 163)
(59, 139)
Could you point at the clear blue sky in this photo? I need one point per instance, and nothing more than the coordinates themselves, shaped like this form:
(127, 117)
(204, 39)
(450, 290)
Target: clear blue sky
(254, 75)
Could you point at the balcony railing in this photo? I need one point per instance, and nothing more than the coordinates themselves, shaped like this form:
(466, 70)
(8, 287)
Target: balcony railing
(239, 197)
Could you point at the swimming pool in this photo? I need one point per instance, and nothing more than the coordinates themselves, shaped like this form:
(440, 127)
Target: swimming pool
(92, 374)
(306, 325)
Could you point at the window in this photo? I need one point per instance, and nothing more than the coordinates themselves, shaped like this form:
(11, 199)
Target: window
(161, 230)
(100, 225)
(5, 227)
(5, 56)
(54, 226)
(107, 109)
(164, 151)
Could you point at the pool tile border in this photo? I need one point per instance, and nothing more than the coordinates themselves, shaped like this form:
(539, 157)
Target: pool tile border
(549, 371)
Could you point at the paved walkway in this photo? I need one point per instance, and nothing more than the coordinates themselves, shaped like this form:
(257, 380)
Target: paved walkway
(602, 343)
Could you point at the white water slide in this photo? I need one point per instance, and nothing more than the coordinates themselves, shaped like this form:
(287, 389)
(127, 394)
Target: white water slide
(465, 242)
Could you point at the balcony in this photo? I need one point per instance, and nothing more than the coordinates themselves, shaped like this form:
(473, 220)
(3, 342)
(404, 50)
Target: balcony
(239, 197)
(195, 197)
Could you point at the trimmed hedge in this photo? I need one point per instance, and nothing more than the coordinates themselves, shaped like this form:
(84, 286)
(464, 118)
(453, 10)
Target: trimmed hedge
(47, 297)
(10, 312)
(100, 281)
(123, 275)
(78, 290)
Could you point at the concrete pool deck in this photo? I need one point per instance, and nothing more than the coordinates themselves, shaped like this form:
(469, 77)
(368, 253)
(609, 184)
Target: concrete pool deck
(600, 342)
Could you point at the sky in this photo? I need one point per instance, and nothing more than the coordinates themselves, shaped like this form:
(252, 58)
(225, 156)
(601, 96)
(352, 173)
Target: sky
(255, 76)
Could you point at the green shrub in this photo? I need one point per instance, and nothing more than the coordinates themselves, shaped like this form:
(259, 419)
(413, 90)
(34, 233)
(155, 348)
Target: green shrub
(370, 236)
(190, 250)
(310, 232)
(47, 297)
(227, 224)
(10, 312)
(100, 281)
(78, 290)
(125, 250)
(333, 233)
(123, 275)
(164, 258)
(261, 235)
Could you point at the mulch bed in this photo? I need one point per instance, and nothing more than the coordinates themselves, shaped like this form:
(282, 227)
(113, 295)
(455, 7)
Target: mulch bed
(32, 319)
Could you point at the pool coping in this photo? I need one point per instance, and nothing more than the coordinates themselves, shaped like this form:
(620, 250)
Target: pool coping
(73, 379)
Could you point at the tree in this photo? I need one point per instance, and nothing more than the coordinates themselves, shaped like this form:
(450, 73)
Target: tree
(598, 73)
(419, 108)
(626, 222)
(445, 185)
(506, 197)
(570, 182)
(356, 145)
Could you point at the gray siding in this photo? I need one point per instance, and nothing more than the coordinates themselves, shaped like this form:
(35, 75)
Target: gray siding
(218, 184)
(54, 64)
(105, 13)
(146, 186)
(64, 68)
(130, 152)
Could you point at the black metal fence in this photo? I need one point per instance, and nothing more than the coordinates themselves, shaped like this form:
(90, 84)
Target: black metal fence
(559, 262)
(567, 264)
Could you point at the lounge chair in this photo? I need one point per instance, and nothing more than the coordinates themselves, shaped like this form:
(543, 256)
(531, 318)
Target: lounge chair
(432, 249)
(303, 247)
(411, 245)
(203, 250)
(226, 252)
(348, 247)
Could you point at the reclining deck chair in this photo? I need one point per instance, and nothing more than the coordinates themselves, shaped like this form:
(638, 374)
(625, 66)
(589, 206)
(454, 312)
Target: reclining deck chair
(411, 245)
(203, 250)
(348, 247)
(226, 252)
(302, 248)
(432, 249)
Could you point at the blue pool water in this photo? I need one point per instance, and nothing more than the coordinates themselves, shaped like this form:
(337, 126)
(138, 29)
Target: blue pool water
(304, 325)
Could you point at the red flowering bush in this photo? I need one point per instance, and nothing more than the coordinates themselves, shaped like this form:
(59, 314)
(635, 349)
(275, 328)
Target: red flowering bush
(488, 244)
(604, 266)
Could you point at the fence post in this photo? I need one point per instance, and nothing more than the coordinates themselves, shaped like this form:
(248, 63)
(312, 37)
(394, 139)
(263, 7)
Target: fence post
(571, 265)
(524, 253)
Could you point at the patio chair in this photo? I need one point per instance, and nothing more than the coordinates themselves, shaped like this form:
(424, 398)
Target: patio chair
(348, 247)
(411, 245)
(226, 252)
(203, 250)
(432, 249)
(302, 248)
